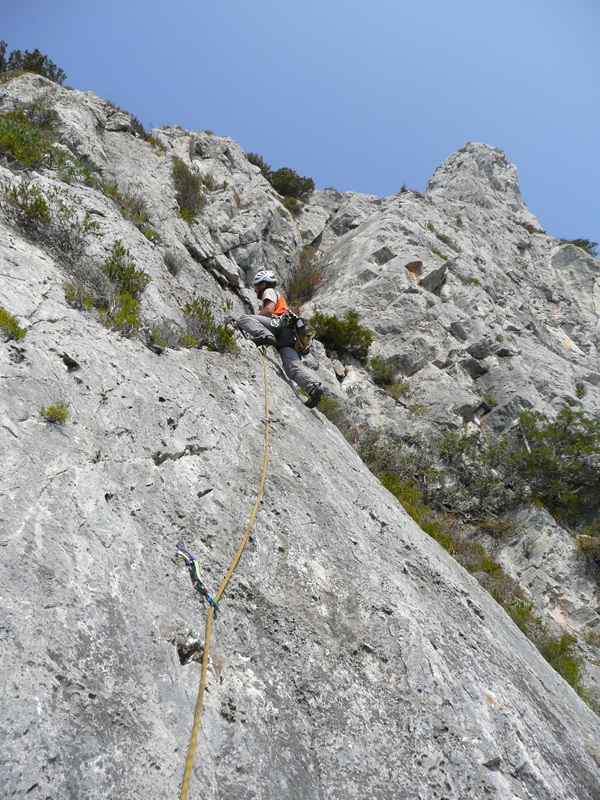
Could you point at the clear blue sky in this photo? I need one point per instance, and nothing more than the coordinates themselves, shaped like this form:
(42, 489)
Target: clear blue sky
(363, 96)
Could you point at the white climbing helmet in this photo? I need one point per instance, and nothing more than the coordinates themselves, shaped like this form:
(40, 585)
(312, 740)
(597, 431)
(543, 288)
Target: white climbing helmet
(264, 275)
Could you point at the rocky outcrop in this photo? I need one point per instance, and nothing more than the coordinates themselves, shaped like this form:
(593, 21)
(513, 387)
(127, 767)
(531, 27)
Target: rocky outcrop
(486, 316)
(352, 656)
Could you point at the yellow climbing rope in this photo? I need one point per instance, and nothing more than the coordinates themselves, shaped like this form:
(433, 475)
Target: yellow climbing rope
(198, 712)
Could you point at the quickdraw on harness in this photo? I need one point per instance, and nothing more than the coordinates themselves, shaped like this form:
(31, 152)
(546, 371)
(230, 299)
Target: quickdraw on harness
(197, 581)
(303, 332)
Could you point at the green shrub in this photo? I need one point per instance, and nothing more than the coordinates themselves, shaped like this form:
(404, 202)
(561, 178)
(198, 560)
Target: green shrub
(56, 413)
(9, 326)
(522, 613)
(529, 227)
(411, 498)
(426, 492)
(70, 168)
(42, 115)
(446, 240)
(23, 141)
(409, 476)
(442, 237)
(398, 390)
(439, 254)
(288, 183)
(28, 207)
(382, 371)
(138, 127)
(153, 236)
(123, 314)
(30, 61)
(293, 205)
(134, 209)
(187, 190)
(259, 162)
(484, 476)
(466, 477)
(48, 220)
(79, 296)
(114, 288)
(562, 465)
(162, 336)
(305, 279)
(491, 401)
(560, 652)
(557, 462)
(384, 376)
(342, 337)
(69, 231)
(202, 329)
(122, 272)
(123, 310)
(336, 414)
(158, 147)
(498, 528)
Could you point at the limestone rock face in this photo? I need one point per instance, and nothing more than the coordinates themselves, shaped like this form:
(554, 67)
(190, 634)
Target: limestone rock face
(480, 175)
(352, 656)
(486, 316)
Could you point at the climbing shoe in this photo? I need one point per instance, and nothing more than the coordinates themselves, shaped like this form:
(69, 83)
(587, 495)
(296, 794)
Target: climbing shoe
(263, 340)
(314, 397)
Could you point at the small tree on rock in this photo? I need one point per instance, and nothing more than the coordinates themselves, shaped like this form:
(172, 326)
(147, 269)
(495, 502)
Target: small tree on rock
(288, 183)
(30, 61)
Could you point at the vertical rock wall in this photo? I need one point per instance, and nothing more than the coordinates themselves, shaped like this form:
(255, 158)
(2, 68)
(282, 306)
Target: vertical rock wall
(352, 656)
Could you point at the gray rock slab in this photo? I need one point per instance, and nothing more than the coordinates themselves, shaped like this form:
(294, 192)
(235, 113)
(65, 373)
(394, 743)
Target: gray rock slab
(352, 656)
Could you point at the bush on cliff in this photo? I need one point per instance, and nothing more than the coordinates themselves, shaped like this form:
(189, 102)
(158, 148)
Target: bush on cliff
(187, 190)
(259, 162)
(9, 326)
(342, 337)
(384, 376)
(47, 218)
(56, 413)
(562, 462)
(203, 330)
(305, 279)
(22, 140)
(294, 189)
(288, 183)
(30, 61)
(410, 475)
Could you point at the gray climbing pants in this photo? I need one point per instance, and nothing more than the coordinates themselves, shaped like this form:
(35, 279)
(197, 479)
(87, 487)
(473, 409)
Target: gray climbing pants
(283, 339)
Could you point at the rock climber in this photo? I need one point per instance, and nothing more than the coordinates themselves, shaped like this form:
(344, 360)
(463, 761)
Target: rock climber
(269, 327)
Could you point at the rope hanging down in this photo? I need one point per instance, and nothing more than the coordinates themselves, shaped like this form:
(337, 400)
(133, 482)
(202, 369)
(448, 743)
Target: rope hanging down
(215, 602)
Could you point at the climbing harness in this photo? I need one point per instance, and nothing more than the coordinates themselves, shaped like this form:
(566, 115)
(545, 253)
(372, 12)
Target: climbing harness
(303, 332)
(195, 574)
(214, 606)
